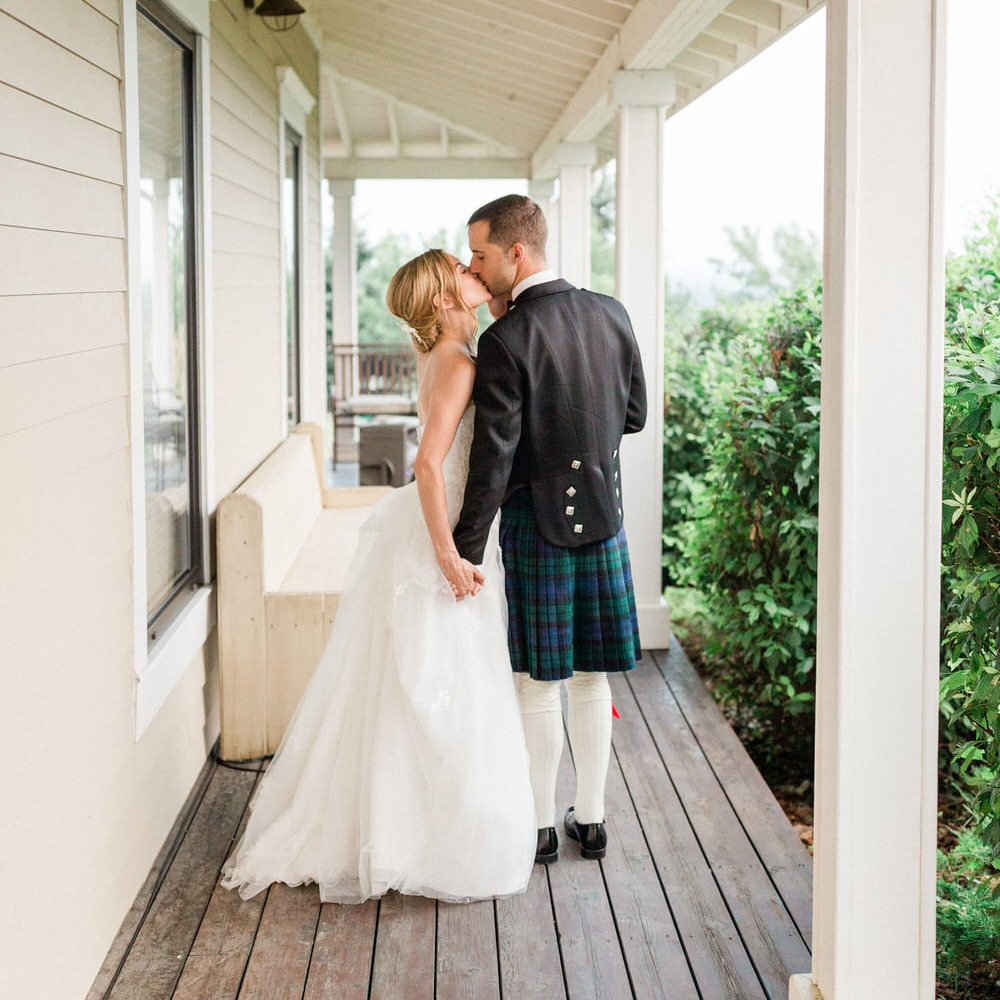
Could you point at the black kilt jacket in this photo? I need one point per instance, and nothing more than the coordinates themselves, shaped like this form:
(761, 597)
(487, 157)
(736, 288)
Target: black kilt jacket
(558, 382)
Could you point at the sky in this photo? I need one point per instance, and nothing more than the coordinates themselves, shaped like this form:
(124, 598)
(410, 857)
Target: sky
(750, 152)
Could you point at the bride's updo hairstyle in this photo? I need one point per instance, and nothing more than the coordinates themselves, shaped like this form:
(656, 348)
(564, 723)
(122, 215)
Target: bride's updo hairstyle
(410, 296)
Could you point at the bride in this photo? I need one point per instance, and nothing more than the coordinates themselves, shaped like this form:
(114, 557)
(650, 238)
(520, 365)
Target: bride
(404, 765)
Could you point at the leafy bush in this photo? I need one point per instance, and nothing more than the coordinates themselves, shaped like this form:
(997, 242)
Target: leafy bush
(970, 681)
(968, 917)
(698, 362)
(751, 544)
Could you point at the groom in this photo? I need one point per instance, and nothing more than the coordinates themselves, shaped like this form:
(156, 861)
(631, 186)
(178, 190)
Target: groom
(558, 382)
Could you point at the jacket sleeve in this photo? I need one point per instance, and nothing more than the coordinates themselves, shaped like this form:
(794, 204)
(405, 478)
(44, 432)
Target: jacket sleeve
(635, 412)
(498, 396)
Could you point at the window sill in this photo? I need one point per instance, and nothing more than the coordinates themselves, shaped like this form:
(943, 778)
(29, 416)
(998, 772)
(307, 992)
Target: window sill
(171, 655)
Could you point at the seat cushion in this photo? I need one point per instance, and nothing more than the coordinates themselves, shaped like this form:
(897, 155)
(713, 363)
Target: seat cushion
(321, 564)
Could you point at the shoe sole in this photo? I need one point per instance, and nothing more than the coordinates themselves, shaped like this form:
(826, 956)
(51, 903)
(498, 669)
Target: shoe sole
(546, 859)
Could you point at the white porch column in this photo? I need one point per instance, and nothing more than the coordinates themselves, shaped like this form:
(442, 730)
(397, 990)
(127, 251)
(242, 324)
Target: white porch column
(542, 190)
(641, 97)
(344, 277)
(880, 506)
(575, 160)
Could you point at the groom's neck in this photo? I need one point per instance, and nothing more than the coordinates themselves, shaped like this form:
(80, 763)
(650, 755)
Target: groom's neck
(526, 269)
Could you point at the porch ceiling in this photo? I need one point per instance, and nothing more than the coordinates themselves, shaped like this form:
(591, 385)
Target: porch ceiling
(465, 88)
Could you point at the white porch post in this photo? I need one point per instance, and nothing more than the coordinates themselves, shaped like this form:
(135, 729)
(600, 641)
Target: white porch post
(641, 97)
(542, 190)
(344, 280)
(575, 161)
(880, 506)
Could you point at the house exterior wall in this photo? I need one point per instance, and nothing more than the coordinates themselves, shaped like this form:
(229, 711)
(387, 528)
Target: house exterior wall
(86, 804)
(249, 338)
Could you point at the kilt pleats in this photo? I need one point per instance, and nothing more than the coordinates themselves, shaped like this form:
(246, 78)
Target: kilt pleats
(568, 608)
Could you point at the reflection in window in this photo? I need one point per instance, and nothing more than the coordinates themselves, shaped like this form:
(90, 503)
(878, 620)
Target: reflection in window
(290, 208)
(167, 295)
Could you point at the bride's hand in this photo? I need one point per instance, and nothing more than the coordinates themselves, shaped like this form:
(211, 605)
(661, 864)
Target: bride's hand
(462, 576)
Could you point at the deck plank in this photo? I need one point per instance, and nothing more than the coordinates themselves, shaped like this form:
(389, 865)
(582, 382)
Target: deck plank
(279, 961)
(404, 948)
(705, 893)
(467, 964)
(715, 952)
(120, 948)
(766, 927)
(592, 954)
(342, 955)
(157, 956)
(777, 843)
(527, 939)
(652, 946)
(219, 954)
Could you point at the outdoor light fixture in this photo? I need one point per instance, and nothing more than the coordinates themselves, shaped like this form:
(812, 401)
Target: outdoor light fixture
(278, 15)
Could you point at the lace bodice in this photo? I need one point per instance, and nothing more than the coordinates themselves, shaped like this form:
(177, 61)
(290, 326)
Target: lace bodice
(456, 463)
(455, 467)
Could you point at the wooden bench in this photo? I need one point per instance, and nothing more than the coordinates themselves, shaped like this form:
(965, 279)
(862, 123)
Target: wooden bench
(284, 543)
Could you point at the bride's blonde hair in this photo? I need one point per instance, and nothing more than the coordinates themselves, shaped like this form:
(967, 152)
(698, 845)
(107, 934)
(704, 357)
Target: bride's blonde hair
(410, 295)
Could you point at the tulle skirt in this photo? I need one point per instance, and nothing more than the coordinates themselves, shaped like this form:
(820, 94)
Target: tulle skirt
(404, 765)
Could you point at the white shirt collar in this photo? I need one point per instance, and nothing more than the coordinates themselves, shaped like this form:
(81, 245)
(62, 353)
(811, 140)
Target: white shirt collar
(538, 278)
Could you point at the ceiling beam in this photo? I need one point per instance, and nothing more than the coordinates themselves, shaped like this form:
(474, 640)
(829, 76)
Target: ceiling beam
(706, 45)
(765, 13)
(427, 112)
(339, 111)
(702, 65)
(417, 149)
(390, 113)
(731, 29)
(655, 33)
(336, 168)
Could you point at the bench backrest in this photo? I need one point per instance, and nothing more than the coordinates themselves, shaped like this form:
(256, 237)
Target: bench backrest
(288, 490)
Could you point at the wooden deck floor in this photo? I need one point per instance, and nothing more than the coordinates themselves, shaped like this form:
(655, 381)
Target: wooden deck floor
(705, 893)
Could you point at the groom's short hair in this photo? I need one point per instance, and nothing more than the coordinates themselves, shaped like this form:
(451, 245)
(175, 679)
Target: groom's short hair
(514, 218)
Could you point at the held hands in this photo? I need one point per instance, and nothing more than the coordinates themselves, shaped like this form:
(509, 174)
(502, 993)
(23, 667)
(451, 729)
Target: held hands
(463, 577)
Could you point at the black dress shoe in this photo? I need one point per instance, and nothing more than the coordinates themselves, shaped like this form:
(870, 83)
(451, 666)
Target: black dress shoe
(548, 846)
(592, 837)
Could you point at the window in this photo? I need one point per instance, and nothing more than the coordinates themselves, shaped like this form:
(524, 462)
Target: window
(168, 290)
(291, 211)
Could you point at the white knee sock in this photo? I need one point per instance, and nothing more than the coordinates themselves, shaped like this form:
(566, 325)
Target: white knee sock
(590, 737)
(543, 733)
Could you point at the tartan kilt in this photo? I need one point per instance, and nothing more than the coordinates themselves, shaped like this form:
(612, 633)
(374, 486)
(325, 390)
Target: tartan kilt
(567, 608)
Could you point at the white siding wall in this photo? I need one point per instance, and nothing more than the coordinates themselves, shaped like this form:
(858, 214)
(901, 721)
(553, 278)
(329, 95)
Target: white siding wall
(249, 339)
(85, 807)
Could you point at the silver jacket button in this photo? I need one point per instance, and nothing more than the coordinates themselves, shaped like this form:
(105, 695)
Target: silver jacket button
(570, 510)
(571, 492)
(578, 529)
(575, 463)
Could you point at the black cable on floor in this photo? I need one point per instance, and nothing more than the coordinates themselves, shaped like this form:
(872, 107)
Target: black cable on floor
(237, 767)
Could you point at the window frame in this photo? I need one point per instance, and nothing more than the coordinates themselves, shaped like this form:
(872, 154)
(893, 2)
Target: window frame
(193, 577)
(159, 665)
(288, 127)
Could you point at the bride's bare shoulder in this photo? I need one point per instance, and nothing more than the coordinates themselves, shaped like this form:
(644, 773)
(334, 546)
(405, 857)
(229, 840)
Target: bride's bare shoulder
(450, 360)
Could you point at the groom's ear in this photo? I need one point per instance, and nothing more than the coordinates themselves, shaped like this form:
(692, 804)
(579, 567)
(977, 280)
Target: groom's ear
(517, 251)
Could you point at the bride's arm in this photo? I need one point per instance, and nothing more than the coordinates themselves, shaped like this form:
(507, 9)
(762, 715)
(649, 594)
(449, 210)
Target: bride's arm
(454, 374)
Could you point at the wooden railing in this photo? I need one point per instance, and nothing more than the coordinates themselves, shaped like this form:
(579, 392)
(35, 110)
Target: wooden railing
(373, 370)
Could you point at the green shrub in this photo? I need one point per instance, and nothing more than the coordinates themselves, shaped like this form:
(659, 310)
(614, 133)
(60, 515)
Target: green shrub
(697, 361)
(970, 679)
(968, 916)
(751, 544)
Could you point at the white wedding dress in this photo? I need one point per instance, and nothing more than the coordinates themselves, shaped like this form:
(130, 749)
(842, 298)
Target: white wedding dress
(404, 765)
